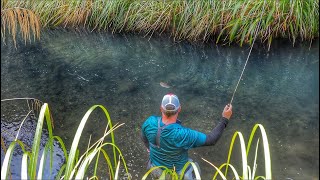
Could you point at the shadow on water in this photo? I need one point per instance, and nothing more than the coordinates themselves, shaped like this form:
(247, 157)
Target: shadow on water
(72, 71)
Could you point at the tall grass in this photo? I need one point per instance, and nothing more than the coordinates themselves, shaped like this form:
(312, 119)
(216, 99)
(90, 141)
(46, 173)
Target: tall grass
(223, 21)
(75, 167)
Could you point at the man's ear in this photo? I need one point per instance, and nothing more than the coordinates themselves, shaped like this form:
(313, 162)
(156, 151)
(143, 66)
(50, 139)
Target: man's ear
(179, 109)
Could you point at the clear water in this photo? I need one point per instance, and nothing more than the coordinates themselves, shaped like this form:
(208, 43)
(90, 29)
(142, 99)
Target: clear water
(73, 71)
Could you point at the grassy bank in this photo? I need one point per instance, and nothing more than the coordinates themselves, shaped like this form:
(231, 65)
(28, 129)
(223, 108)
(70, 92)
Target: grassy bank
(224, 22)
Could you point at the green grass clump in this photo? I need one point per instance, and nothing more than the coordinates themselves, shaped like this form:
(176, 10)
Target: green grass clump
(75, 167)
(223, 21)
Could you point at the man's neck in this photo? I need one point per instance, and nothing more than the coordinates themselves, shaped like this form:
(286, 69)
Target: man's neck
(169, 120)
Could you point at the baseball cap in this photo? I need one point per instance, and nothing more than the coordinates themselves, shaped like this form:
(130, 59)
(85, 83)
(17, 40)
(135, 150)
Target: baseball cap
(170, 102)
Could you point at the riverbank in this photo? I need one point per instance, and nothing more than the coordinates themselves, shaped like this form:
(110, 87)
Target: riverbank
(222, 22)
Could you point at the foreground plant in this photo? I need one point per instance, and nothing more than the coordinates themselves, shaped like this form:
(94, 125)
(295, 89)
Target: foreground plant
(75, 167)
(247, 171)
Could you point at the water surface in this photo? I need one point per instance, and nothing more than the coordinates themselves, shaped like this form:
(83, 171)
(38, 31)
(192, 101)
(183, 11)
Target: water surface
(73, 71)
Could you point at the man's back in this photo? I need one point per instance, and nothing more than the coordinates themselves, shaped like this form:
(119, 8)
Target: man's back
(168, 142)
(174, 142)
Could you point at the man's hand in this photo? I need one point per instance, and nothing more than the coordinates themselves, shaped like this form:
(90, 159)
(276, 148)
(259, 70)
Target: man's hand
(227, 111)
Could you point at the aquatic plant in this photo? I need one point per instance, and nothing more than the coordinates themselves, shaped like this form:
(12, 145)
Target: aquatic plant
(75, 167)
(247, 171)
(171, 173)
(223, 21)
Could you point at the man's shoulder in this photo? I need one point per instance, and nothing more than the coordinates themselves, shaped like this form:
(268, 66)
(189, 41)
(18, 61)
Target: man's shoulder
(182, 131)
(151, 120)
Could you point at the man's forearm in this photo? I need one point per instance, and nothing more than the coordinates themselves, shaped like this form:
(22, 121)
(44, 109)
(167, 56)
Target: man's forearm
(216, 133)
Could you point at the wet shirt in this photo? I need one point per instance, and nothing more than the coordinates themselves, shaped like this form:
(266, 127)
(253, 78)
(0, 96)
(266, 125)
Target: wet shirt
(175, 141)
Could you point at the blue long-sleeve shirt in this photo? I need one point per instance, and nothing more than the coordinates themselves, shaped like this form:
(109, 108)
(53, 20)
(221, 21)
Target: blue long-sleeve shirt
(175, 141)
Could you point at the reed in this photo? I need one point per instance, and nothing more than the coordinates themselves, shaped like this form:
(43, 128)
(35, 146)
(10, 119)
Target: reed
(223, 21)
(75, 167)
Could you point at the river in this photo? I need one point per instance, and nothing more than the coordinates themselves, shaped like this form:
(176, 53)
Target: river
(73, 71)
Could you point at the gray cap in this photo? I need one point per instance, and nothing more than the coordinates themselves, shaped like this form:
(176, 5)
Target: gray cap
(170, 102)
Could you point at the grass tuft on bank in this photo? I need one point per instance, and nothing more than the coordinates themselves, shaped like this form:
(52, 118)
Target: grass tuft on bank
(225, 22)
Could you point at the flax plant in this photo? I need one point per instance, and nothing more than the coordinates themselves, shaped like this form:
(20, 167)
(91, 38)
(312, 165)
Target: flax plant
(248, 172)
(75, 167)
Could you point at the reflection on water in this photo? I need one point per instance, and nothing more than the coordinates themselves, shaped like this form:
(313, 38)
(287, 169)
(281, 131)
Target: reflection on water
(279, 89)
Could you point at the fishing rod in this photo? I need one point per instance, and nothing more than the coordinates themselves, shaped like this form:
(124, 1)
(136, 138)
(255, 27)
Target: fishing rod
(256, 33)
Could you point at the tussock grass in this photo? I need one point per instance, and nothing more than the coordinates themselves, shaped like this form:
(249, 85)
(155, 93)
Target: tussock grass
(223, 21)
(17, 17)
(75, 167)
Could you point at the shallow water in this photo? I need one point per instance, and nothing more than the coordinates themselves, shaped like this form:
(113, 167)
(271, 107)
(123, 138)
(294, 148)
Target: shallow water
(73, 71)
(26, 134)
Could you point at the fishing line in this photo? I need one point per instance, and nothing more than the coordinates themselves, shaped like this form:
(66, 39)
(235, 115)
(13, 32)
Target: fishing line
(256, 33)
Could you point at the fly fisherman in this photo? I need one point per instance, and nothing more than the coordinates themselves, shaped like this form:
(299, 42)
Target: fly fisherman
(168, 142)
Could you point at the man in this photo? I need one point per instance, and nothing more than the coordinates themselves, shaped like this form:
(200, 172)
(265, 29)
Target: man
(168, 142)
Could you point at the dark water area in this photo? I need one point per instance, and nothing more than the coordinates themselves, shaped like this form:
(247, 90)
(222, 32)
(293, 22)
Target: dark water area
(73, 71)
(9, 131)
